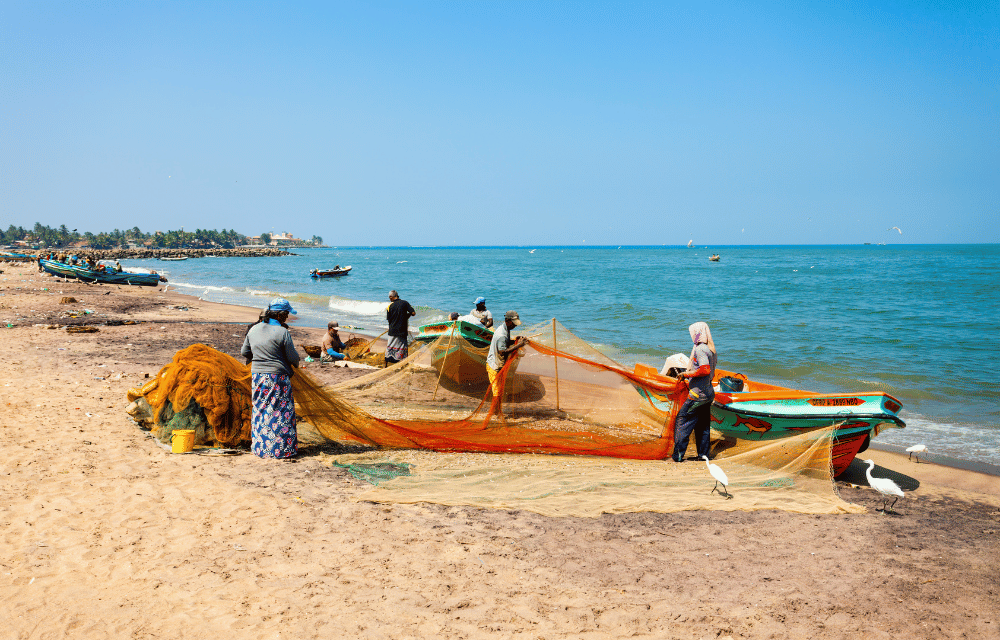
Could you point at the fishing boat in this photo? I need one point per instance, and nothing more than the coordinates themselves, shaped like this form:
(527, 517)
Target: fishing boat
(101, 275)
(11, 256)
(714, 258)
(174, 258)
(473, 332)
(753, 410)
(336, 272)
(461, 353)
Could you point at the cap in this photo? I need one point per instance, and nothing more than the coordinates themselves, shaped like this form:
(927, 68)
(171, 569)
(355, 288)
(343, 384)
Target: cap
(513, 317)
(280, 304)
(480, 300)
(333, 324)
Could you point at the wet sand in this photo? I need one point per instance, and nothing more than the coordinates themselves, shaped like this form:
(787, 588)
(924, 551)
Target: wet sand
(103, 534)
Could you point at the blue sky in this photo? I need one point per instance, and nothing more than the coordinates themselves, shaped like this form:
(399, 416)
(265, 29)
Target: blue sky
(500, 123)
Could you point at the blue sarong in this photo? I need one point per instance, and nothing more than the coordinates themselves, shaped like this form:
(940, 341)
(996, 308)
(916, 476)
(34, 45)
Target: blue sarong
(272, 433)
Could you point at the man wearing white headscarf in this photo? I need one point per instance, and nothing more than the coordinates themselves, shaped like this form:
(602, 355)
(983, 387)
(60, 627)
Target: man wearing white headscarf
(696, 412)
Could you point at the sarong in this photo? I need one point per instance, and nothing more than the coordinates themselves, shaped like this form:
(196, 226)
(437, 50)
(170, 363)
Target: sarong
(396, 349)
(272, 433)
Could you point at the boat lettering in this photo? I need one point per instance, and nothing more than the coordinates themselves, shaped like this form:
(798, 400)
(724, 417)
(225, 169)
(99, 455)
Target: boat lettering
(835, 402)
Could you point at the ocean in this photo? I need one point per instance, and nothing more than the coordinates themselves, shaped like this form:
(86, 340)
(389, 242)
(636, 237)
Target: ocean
(919, 322)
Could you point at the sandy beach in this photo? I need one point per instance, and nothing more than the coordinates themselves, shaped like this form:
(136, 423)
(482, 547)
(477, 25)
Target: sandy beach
(103, 534)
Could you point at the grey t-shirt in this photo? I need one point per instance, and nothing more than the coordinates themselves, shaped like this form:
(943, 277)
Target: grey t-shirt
(501, 341)
(701, 387)
(272, 349)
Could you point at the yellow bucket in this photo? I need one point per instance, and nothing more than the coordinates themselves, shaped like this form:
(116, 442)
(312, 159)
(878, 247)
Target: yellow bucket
(182, 440)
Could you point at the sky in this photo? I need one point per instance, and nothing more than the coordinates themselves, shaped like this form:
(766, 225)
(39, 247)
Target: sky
(506, 123)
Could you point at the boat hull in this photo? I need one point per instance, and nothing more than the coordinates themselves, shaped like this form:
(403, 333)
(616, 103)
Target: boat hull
(474, 333)
(104, 277)
(330, 273)
(776, 412)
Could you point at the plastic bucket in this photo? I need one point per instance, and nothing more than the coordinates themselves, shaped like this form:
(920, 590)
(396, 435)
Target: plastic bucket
(182, 440)
(728, 384)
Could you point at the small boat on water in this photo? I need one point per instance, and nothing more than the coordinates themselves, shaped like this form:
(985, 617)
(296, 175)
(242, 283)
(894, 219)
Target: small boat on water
(714, 258)
(101, 275)
(336, 272)
(174, 258)
(758, 411)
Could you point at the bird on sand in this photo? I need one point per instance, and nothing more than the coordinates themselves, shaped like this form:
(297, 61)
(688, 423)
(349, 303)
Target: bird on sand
(885, 486)
(720, 478)
(917, 449)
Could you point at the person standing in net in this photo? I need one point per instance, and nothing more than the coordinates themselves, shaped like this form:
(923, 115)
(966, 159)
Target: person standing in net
(696, 412)
(501, 347)
(481, 313)
(268, 345)
(398, 315)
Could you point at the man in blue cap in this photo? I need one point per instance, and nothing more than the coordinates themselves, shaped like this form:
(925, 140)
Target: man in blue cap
(481, 313)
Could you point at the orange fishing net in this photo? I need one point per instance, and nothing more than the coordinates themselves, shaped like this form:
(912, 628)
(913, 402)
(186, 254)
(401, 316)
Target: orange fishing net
(568, 400)
(561, 396)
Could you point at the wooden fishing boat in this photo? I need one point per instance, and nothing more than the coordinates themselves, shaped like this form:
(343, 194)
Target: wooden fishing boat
(473, 332)
(101, 275)
(762, 411)
(331, 273)
(460, 355)
(10, 256)
(174, 258)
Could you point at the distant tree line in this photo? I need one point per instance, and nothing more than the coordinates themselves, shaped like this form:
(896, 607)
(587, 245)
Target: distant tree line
(52, 238)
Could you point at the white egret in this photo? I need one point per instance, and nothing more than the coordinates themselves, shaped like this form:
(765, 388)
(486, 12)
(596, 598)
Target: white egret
(917, 449)
(885, 486)
(720, 478)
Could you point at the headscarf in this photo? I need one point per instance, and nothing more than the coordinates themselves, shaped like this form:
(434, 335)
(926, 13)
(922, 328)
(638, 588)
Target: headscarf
(701, 334)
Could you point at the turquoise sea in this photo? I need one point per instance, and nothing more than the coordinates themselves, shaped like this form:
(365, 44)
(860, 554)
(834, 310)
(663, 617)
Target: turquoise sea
(918, 322)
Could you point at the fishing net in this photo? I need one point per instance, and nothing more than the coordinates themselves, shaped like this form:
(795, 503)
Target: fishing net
(790, 475)
(559, 396)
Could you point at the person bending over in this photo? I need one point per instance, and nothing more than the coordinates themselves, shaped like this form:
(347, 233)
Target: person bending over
(333, 346)
(501, 347)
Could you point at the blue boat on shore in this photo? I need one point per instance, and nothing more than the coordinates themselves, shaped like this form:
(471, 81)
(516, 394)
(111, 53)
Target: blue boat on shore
(100, 275)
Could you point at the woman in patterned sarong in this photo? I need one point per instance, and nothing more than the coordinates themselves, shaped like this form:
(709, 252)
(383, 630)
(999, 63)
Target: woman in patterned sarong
(272, 355)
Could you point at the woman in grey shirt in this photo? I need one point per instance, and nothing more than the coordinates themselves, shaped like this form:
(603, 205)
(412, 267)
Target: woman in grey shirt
(272, 355)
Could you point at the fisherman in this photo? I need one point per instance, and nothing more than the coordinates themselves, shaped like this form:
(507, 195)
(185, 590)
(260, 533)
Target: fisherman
(333, 346)
(695, 414)
(501, 347)
(118, 267)
(398, 315)
(481, 313)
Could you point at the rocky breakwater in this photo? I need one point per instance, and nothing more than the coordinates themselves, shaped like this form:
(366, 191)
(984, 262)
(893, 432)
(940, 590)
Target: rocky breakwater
(241, 252)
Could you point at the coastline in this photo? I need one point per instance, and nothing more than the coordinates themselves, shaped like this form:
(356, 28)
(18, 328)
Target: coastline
(105, 534)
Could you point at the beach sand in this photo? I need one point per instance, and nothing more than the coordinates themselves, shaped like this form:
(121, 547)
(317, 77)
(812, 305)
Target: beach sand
(103, 534)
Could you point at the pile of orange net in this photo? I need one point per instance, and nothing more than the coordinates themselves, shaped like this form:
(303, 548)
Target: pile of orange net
(570, 399)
